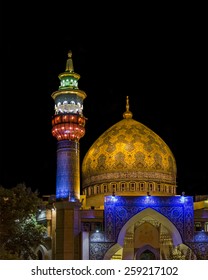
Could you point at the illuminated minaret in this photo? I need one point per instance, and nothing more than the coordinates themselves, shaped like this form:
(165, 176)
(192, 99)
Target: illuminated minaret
(68, 127)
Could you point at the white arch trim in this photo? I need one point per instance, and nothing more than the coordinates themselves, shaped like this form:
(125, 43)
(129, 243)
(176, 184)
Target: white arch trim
(108, 255)
(44, 251)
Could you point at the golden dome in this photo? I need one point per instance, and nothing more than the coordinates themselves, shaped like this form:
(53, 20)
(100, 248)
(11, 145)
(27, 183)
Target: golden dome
(128, 151)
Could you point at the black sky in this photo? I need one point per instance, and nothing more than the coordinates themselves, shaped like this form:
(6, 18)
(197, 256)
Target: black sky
(156, 55)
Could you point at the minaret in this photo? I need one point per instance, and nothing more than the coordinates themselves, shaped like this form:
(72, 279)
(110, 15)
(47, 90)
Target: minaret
(68, 127)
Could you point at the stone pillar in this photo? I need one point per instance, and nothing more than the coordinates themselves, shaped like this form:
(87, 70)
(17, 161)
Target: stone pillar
(128, 248)
(85, 246)
(68, 225)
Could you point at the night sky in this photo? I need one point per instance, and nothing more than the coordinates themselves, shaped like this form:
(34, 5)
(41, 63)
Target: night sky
(157, 58)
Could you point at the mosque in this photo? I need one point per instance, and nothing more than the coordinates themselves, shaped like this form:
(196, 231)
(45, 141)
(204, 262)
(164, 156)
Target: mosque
(128, 207)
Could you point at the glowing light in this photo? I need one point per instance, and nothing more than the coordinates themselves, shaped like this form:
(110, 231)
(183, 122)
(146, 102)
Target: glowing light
(113, 198)
(182, 199)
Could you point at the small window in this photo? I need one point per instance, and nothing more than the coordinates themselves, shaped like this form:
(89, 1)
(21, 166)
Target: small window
(114, 187)
(122, 187)
(150, 186)
(141, 186)
(132, 186)
(198, 226)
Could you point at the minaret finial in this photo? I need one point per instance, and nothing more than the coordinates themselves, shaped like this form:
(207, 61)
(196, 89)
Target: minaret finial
(127, 114)
(69, 63)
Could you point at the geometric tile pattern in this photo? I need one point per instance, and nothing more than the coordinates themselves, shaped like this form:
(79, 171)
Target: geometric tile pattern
(119, 209)
(200, 249)
(128, 147)
(178, 209)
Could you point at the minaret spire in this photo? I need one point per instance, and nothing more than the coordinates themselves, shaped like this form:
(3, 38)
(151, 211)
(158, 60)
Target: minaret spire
(128, 114)
(69, 63)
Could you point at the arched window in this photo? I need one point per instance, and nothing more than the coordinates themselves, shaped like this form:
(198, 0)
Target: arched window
(141, 186)
(114, 187)
(150, 187)
(132, 186)
(123, 185)
(198, 226)
(105, 188)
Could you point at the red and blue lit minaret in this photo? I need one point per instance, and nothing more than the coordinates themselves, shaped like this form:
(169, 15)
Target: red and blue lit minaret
(68, 126)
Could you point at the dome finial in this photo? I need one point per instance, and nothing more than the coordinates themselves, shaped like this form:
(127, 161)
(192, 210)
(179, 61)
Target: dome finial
(127, 114)
(69, 63)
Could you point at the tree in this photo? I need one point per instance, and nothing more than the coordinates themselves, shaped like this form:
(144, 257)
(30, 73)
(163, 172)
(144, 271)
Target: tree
(20, 232)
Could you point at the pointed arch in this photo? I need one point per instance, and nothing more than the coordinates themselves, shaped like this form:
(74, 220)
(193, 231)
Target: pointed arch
(155, 215)
(43, 252)
(108, 255)
(177, 240)
(147, 247)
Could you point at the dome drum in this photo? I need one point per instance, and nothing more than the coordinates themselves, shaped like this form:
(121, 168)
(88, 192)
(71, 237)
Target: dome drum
(138, 176)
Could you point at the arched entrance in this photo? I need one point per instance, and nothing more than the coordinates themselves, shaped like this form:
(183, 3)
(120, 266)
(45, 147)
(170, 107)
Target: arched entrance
(147, 255)
(144, 229)
(147, 252)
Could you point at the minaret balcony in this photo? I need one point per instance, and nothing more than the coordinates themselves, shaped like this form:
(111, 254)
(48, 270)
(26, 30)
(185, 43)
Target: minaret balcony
(69, 118)
(68, 131)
